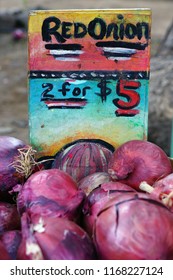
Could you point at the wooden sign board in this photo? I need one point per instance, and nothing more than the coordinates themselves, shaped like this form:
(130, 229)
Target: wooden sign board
(88, 76)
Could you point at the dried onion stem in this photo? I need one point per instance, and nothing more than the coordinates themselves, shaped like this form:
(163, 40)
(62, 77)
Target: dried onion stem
(25, 162)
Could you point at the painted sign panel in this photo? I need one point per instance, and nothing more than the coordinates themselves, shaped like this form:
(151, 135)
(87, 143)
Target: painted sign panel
(88, 76)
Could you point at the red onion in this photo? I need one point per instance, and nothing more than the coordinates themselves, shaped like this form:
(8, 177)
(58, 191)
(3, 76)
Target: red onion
(11, 240)
(136, 161)
(18, 34)
(3, 252)
(9, 217)
(8, 152)
(137, 228)
(161, 189)
(51, 238)
(83, 158)
(96, 200)
(50, 192)
(92, 181)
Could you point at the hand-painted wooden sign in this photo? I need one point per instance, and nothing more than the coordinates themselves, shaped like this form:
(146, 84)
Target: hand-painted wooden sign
(88, 76)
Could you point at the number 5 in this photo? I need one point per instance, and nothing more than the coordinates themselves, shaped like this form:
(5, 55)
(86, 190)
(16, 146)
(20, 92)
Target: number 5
(125, 89)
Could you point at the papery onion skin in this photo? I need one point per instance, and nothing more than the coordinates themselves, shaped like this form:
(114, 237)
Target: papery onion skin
(51, 192)
(92, 181)
(8, 151)
(9, 217)
(11, 240)
(28, 248)
(54, 239)
(96, 200)
(83, 158)
(137, 228)
(138, 160)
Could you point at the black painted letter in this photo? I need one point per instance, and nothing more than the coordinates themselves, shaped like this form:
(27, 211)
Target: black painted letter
(48, 31)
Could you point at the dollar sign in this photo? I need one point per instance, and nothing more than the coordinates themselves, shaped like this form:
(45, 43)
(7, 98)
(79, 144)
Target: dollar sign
(104, 90)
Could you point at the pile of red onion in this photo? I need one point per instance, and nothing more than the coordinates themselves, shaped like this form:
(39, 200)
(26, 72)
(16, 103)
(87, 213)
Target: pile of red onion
(92, 202)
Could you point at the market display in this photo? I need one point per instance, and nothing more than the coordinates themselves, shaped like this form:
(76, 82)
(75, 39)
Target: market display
(51, 215)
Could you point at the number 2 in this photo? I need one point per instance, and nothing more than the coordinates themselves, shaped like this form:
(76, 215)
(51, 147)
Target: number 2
(45, 95)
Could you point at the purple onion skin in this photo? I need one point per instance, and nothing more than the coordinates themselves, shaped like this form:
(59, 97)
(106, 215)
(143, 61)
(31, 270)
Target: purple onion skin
(8, 151)
(96, 200)
(82, 159)
(60, 239)
(92, 181)
(136, 161)
(9, 217)
(11, 240)
(137, 228)
(51, 192)
(3, 252)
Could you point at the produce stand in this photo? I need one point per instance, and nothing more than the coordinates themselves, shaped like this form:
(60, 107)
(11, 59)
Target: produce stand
(89, 175)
